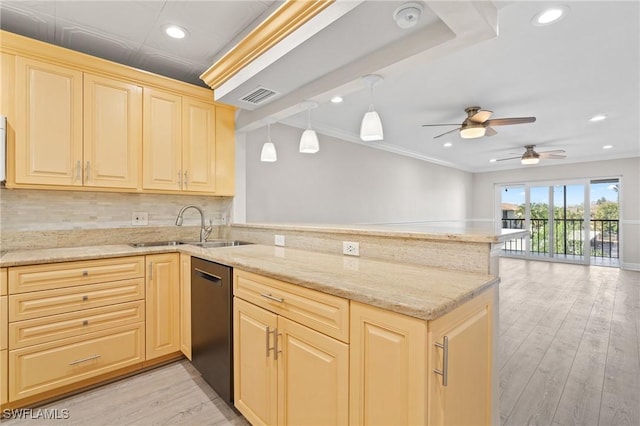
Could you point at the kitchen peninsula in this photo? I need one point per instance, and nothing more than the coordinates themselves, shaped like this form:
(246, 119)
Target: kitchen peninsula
(390, 320)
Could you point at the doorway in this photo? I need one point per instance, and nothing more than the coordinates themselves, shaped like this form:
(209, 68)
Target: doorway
(573, 221)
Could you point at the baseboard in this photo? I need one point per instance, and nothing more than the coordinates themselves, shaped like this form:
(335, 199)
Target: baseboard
(630, 266)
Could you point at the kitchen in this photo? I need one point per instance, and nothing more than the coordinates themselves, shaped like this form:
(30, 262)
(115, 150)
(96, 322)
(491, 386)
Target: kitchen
(56, 225)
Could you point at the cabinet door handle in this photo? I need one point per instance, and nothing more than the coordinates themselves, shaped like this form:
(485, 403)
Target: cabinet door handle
(186, 180)
(88, 171)
(78, 170)
(179, 179)
(150, 271)
(274, 298)
(89, 358)
(276, 351)
(445, 360)
(268, 347)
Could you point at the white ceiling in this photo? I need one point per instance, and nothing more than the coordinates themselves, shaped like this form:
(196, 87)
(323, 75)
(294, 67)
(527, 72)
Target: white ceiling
(588, 63)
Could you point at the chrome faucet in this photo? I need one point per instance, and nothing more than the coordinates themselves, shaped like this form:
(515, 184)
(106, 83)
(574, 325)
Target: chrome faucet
(204, 231)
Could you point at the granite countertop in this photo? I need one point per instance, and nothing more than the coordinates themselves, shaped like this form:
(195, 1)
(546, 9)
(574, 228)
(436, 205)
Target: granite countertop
(419, 291)
(463, 231)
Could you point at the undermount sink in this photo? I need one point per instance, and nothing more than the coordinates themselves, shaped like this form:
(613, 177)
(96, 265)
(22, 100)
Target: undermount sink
(157, 244)
(205, 244)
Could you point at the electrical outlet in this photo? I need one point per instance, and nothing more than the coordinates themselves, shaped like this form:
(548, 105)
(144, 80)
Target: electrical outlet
(279, 240)
(139, 218)
(351, 248)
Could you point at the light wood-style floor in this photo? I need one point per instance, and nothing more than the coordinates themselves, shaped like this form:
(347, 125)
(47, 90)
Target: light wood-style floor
(569, 355)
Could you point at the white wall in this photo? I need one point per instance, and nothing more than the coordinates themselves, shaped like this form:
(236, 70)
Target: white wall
(628, 169)
(347, 183)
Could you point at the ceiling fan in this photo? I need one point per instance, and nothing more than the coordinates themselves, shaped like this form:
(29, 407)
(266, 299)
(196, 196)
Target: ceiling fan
(530, 156)
(477, 123)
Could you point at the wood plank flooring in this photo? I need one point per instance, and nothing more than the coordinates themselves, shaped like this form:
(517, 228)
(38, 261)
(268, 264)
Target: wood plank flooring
(569, 354)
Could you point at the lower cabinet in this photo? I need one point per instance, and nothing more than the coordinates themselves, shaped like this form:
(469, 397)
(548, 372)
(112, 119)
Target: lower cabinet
(285, 372)
(407, 371)
(162, 305)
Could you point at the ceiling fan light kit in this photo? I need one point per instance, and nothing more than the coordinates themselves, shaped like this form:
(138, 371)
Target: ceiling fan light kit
(531, 157)
(371, 125)
(477, 124)
(472, 131)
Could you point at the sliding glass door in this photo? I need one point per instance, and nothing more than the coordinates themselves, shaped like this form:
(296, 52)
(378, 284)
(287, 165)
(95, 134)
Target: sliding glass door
(563, 223)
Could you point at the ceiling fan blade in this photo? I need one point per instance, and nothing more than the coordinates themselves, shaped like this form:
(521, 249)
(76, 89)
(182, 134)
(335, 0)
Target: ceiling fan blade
(506, 121)
(446, 133)
(431, 125)
(490, 131)
(481, 116)
(510, 158)
(551, 156)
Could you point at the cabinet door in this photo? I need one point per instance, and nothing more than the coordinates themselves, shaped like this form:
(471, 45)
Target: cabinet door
(48, 119)
(225, 151)
(313, 377)
(4, 377)
(112, 133)
(198, 146)
(388, 378)
(185, 305)
(162, 305)
(466, 398)
(162, 140)
(255, 370)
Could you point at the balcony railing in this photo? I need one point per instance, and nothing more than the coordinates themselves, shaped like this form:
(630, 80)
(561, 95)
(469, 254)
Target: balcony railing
(569, 236)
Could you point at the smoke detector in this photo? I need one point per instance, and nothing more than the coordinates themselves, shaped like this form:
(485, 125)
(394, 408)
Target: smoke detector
(407, 15)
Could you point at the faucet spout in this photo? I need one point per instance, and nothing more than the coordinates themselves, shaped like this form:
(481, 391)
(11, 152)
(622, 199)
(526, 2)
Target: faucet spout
(205, 231)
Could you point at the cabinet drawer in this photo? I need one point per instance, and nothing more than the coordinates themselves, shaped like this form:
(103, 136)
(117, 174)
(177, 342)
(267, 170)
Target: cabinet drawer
(43, 303)
(4, 317)
(68, 274)
(322, 312)
(42, 368)
(56, 327)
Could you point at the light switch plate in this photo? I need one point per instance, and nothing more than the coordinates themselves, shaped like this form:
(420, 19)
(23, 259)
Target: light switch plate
(279, 240)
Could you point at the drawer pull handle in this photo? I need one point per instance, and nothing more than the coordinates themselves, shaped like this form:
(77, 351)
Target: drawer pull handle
(85, 323)
(274, 298)
(80, 361)
(445, 360)
(85, 298)
(85, 273)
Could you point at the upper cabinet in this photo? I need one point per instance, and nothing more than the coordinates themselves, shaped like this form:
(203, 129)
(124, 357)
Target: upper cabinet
(75, 121)
(48, 123)
(179, 143)
(112, 133)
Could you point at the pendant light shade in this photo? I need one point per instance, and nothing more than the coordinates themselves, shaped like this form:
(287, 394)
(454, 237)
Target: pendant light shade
(268, 153)
(371, 126)
(309, 140)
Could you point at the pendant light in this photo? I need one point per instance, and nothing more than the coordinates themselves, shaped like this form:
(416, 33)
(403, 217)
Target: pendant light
(309, 140)
(371, 126)
(268, 153)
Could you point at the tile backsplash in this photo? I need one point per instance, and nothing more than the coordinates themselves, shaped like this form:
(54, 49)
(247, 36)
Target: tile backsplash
(25, 212)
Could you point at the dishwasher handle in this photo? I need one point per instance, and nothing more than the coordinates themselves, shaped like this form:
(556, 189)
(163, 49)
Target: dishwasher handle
(208, 276)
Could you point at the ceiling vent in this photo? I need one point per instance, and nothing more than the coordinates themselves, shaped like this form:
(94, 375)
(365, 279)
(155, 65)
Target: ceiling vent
(258, 95)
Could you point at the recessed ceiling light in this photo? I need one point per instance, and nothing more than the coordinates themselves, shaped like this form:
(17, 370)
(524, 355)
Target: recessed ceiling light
(447, 144)
(598, 117)
(175, 31)
(550, 16)
(607, 147)
(336, 99)
(493, 160)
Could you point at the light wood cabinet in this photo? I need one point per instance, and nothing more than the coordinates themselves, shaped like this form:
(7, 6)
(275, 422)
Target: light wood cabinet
(78, 122)
(466, 332)
(179, 143)
(162, 305)
(397, 366)
(4, 373)
(185, 305)
(48, 124)
(112, 133)
(71, 322)
(286, 372)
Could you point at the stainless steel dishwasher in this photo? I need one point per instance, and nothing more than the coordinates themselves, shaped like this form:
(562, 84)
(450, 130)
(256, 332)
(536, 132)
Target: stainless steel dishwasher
(211, 325)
